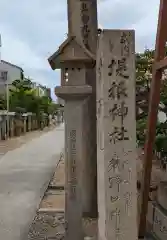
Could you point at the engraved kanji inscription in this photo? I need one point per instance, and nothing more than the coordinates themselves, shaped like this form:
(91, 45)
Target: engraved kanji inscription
(114, 163)
(111, 67)
(128, 201)
(119, 110)
(120, 67)
(117, 215)
(117, 90)
(124, 40)
(118, 134)
(73, 167)
(85, 30)
(115, 180)
(99, 69)
(113, 199)
(73, 135)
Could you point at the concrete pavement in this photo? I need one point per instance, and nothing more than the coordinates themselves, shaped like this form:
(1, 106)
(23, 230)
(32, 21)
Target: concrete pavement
(24, 175)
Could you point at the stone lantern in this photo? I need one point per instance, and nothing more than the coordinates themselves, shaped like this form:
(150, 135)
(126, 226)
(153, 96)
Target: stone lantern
(74, 60)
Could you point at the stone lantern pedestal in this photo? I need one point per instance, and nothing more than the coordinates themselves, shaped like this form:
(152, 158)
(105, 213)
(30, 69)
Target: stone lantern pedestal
(75, 157)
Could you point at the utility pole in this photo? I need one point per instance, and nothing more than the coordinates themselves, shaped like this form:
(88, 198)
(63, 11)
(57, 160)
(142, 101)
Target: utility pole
(7, 87)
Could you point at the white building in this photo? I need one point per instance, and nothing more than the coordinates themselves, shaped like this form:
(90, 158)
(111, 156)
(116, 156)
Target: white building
(8, 73)
(40, 90)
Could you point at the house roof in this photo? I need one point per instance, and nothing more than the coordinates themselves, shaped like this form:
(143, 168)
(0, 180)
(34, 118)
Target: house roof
(55, 60)
(13, 65)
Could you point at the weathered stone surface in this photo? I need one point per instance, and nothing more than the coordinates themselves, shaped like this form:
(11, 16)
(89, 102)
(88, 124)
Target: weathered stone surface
(58, 180)
(76, 58)
(162, 194)
(116, 135)
(160, 224)
(52, 226)
(46, 226)
(53, 199)
(82, 23)
(150, 216)
(74, 169)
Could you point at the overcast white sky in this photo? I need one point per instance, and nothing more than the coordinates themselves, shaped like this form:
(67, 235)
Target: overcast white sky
(32, 30)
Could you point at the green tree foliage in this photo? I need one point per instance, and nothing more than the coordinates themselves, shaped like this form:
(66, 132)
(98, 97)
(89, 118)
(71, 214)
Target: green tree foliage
(2, 102)
(144, 63)
(22, 96)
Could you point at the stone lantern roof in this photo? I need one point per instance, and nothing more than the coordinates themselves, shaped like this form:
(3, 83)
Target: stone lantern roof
(70, 51)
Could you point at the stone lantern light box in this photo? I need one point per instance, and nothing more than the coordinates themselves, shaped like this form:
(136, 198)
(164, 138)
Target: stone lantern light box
(73, 59)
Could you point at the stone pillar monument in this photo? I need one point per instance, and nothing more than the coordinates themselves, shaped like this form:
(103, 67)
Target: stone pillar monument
(116, 131)
(76, 59)
(74, 156)
(82, 23)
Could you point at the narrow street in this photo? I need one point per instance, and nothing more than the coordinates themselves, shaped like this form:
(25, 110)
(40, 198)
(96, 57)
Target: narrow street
(25, 173)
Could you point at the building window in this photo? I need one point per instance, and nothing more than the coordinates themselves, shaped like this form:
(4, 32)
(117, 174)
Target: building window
(4, 76)
(22, 75)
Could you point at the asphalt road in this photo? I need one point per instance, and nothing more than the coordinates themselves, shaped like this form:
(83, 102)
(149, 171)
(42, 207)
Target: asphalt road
(24, 176)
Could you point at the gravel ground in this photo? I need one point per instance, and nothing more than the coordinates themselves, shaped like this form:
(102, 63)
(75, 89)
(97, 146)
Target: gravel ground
(52, 226)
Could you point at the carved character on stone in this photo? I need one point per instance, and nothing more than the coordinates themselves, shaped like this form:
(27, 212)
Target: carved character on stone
(117, 215)
(111, 67)
(114, 163)
(114, 199)
(84, 7)
(73, 135)
(85, 31)
(120, 66)
(119, 110)
(128, 201)
(118, 134)
(130, 174)
(124, 40)
(117, 90)
(115, 180)
(74, 159)
(99, 69)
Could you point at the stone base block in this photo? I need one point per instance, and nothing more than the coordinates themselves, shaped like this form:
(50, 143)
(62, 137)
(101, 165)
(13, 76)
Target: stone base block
(150, 236)
(162, 194)
(150, 215)
(160, 223)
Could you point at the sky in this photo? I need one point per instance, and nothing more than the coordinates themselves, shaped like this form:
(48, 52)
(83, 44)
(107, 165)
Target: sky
(33, 30)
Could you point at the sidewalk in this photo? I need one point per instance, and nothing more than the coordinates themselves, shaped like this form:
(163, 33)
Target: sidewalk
(24, 176)
(16, 142)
